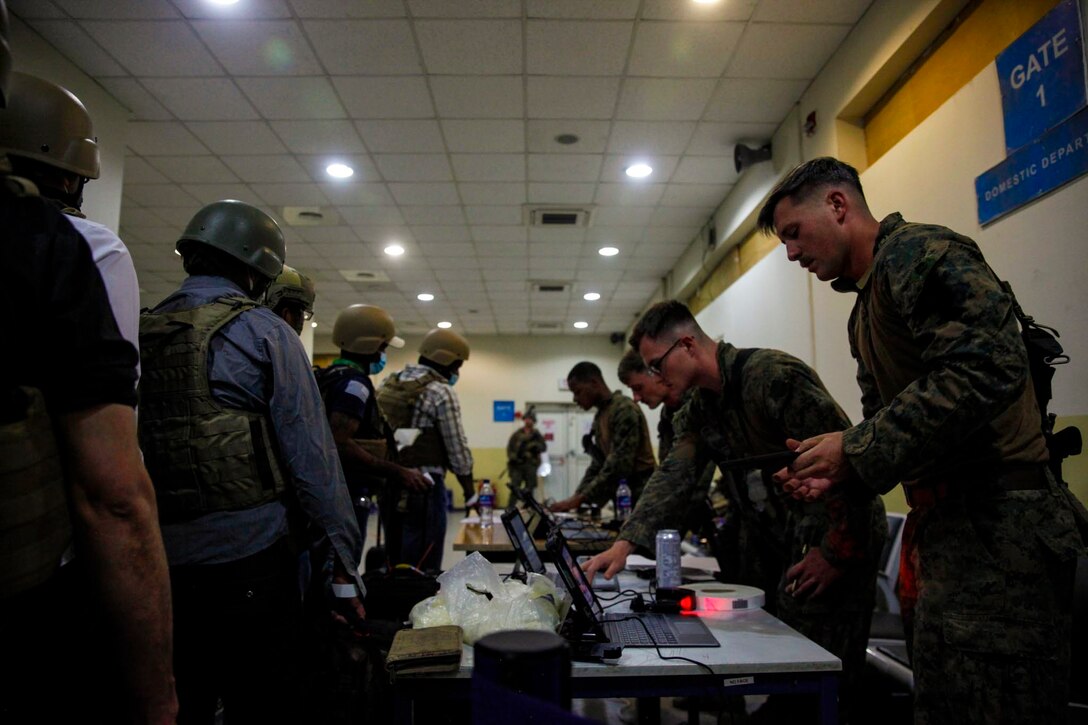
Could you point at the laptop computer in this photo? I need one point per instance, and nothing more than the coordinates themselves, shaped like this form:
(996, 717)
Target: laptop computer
(527, 555)
(651, 629)
(573, 529)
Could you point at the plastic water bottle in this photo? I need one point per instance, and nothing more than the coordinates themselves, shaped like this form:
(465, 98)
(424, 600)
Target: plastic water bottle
(487, 503)
(623, 500)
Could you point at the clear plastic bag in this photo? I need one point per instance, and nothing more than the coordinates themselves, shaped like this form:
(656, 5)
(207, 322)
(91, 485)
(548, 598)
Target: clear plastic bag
(474, 597)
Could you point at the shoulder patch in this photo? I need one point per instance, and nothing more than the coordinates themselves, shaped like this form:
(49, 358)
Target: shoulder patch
(356, 389)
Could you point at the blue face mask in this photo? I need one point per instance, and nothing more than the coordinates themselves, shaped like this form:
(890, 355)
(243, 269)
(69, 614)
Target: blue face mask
(379, 365)
(453, 379)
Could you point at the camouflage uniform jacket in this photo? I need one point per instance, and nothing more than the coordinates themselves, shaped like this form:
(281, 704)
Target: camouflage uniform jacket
(620, 431)
(525, 447)
(941, 365)
(666, 435)
(780, 397)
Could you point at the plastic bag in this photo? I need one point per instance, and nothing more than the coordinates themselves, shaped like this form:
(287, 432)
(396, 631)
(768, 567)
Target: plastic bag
(474, 597)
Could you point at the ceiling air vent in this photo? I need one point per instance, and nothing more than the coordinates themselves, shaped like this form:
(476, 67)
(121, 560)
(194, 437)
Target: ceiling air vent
(550, 287)
(310, 216)
(545, 326)
(364, 276)
(557, 216)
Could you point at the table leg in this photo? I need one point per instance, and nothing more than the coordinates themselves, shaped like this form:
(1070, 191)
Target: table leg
(829, 700)
(649, 710)
(402, 707)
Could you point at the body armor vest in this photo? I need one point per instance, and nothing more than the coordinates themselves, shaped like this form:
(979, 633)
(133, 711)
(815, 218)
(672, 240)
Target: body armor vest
(35, 528)
(202, 456)
(397, 399)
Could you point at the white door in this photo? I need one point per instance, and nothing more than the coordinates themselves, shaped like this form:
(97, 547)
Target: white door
(563, 426)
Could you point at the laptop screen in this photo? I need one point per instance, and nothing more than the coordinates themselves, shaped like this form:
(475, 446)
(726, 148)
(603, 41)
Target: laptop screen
(572, 574)
(522, 540)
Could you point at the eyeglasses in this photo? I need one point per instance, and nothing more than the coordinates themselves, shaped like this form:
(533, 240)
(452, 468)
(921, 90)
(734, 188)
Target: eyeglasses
(654, 366)
(307, 314)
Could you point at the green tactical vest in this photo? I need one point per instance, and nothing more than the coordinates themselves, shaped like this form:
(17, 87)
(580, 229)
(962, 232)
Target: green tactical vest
(397, 399)
(35, 529)
(202, 456)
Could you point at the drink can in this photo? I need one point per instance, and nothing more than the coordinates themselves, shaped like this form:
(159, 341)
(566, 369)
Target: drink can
(668, 558)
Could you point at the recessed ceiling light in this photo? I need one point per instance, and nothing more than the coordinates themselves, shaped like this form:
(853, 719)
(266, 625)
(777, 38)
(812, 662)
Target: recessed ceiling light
(705, 2)
(591, 296)
(445, 325)
(342, 171)
(394, 250)
(608, 251)
(313, 324)
(424, 297)
(581, 325)
(639, 171)
(223, 2)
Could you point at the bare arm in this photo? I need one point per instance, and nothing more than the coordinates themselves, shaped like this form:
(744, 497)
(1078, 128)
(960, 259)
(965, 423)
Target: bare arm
(343, 431)
(118, 540)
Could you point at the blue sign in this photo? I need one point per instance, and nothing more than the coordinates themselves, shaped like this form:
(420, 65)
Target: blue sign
(504, 411)
(1042, 76)
(1057, 158)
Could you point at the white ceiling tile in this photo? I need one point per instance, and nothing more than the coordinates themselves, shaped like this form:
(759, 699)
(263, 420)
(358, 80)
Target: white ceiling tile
(289, 194)
(159, 195)
(193, 169)
(355, 47)
(551, 97)
(757, 101)
(317, 167)
(360, 216)
(677, 216)
(622, 216)
(592, 136)
(796, 11)
(259, 47)
(705, 170)
(339, 235)
(357, 194)
(760, 56)
(564, 167)
(683, 50)
(449, 233)
(718, 139)
(176, 217)
(134, 217)
(484, 136)
(246, 10)
(489, 167)
(159, 138)
(507, 268)
(79, 47)
(135, 98)
(118, 9)
(672, 235)
(629, 194)
(280, 168)
(237, 138)
(672, 10)
(32, 9)
(544, 193)
(177, 49)
(292, 98)
(442, 248)
(476, 47)
(570, 9)
(435, 194)
(493, 214)
(465, 9)
(433, 215)
(615, 236)
(413, 167)
(486, 250)
(491, 193)
(656, 99)
(319, 137)
(615, 168)
(560, 47)
(487, 233)
(207, 193)
(385, 97)
(551, 236)
(698, 195)
(448, 263)
(401, 136)
(138, 171)
(348, 8)
(650, 137)
(201, 99)
(478, 96)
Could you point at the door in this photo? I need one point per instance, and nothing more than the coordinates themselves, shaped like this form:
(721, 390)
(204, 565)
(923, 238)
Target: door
(563, 425)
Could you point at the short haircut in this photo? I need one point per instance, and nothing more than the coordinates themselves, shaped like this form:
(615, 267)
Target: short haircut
(203, 259)
(630, 364)
(806, 179)
(584, 372)
(661, 318)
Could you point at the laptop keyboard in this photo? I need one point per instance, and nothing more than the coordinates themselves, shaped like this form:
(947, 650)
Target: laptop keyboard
(632, 634)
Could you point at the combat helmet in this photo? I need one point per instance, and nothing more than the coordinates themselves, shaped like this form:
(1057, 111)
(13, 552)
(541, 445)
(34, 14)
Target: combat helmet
(444, 347)
(294, 286)
(48, 124)
(362, 329)
(240, 230)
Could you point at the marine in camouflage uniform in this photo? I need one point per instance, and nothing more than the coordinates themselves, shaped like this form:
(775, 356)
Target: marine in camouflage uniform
(523, 456)
(622, 451)
(776, 397)
(989, 546)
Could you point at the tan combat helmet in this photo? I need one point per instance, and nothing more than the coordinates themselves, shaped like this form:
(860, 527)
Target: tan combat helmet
(444, 347)
(45, 123)
(294, 286)
(241, 230)
(362, 329)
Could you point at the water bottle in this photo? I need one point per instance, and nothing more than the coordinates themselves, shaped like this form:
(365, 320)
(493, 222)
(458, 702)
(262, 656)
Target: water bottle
(623, 500)
(668, 558)
(487, 503)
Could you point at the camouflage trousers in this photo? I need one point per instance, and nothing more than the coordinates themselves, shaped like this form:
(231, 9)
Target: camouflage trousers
(523, 476)
(988, 620)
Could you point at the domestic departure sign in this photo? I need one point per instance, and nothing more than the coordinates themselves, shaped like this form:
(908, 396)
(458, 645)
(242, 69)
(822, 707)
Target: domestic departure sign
(1042, 76)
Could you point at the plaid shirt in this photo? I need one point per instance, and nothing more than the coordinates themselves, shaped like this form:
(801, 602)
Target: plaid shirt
(437, 407)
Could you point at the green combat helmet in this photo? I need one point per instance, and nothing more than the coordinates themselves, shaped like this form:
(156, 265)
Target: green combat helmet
(362, 329)
(242, 231)
(45, 123)
(291, 285)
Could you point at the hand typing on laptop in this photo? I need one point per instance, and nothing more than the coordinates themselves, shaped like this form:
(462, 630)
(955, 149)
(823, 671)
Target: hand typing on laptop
(612, 561)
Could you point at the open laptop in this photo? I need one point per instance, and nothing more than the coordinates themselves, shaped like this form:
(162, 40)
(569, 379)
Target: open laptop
(573, 529)
(528, 556)
(662, 630)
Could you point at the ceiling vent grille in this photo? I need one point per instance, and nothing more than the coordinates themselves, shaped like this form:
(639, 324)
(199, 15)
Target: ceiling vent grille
(310, 216)
(550, 287)
(545, 326)
(365, 276)
(557, 216)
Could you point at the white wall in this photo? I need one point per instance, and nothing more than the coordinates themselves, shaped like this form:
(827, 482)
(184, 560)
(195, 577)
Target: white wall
(102, 197)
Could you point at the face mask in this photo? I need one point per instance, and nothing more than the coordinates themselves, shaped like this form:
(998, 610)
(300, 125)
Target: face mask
(378, 365)
(453, 379)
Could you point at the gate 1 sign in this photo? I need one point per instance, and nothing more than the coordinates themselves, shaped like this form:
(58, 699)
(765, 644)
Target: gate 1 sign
(503, 411)
(1042, 76)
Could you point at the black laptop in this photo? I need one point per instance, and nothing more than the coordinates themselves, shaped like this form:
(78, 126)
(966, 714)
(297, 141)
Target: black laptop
(662, 630)
(573, 529)
(527, 555)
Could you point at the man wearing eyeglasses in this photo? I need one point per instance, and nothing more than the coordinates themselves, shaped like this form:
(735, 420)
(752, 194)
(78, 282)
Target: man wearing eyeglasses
(745, 403)
(619, 440)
